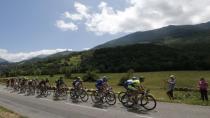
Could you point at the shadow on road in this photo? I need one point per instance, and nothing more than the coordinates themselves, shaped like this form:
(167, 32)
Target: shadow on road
(138, 110)
(100, 106)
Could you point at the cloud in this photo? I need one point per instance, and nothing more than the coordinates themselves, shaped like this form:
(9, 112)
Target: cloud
(140, 15)
(66, 26)
(82, 9)
(73, 17)
(16, 57)
(86, 48)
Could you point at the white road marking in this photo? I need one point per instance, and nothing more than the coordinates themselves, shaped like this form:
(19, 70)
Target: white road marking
(142, 116)
(85, 106)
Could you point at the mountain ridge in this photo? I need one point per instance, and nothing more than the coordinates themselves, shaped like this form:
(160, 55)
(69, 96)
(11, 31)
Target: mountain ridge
(165, 35)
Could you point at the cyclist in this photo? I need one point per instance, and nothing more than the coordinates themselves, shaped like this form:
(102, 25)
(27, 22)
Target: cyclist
(30, 82)
(7, 81)
(60, 83)
(102, 84)
(134, 86)
(41, 85)
(77, 83)
(77, 86)
(47, 83)
(12, 82)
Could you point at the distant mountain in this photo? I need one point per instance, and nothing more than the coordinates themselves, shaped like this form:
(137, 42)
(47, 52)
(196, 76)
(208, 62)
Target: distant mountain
(45, 57)
(3, 60)
(170, 35)
(64, 53)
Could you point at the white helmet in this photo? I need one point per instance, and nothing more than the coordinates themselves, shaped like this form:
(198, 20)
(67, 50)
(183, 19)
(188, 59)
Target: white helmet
(134, 78)
(172, 76)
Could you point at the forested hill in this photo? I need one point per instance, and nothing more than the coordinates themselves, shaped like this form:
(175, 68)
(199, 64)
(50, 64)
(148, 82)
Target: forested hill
(140, 57)
(147, 57)
(172, 36)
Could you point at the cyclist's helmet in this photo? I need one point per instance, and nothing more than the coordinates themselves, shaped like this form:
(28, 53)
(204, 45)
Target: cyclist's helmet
(172, 76)
(104, 78)
(78, 78)
(134, 78)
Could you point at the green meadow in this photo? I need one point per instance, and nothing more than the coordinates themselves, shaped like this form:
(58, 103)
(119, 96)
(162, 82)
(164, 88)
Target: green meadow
(155, 81)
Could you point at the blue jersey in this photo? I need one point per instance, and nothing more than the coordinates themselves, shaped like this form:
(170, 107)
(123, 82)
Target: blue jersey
(99, 82)
(128, 82)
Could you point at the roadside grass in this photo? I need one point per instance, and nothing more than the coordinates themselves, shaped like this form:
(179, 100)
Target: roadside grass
(5, 113)
(155, 81)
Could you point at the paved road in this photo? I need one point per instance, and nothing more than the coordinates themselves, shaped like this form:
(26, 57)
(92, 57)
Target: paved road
(33, 107)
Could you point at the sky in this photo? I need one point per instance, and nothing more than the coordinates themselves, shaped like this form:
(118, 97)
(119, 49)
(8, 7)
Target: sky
(29, 28)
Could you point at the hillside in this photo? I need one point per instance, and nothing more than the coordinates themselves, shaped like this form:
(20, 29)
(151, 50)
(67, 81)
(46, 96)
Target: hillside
(140, 57)
(146, 57)
(171, 35)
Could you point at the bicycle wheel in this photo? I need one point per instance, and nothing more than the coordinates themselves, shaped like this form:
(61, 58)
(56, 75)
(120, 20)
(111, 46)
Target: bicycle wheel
(65, 95)
(72, 93)
(95, 96)
(148, 102)
(120, 95)
(56, 94)
(84, 95)
(127, 101)
(111, 98)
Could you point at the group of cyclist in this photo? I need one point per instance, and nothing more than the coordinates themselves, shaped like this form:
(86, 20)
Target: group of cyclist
(132, 85)
(23, 84)
(102, 94)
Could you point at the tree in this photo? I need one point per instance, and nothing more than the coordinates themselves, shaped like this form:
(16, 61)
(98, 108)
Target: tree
(90, 76)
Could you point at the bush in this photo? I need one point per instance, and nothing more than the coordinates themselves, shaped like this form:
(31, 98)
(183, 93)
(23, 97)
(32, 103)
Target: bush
(51, 75)
(68, 74)
(90, 76)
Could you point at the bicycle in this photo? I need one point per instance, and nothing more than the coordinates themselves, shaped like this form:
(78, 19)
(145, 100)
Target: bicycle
(143, 99)
(61, 93)
(30, 90)
(108, 97)
(43, 91)
(79, 93)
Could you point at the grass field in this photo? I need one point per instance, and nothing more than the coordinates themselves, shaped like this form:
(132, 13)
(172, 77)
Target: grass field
(155, 81)
(5, 113)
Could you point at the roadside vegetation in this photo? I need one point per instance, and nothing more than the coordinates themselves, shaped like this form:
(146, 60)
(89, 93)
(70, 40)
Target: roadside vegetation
(186, 87)
(5, 113)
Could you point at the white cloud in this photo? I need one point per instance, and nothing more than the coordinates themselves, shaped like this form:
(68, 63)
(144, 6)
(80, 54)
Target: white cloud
(16, 57)
(141, 15)
(73, 16)
(66, 26)
(86, 48)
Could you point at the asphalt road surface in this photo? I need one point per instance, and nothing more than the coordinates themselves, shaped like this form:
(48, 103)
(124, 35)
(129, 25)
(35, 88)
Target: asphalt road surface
(33, 107)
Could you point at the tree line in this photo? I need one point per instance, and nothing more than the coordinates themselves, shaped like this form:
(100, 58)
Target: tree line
(140, 57)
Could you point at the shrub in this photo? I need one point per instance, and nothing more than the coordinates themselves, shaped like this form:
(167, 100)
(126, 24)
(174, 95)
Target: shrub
(90, 76)
(68, 74)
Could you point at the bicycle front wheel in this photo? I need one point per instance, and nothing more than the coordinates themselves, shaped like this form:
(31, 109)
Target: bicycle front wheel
(120, 96)
(111, 98)
(84, 96)
(95, 96)
(148, 102)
